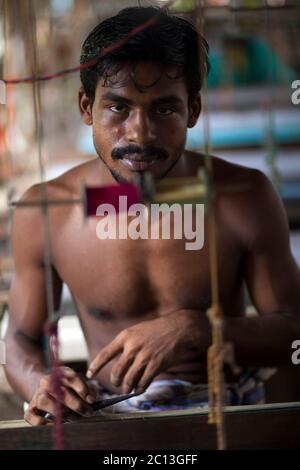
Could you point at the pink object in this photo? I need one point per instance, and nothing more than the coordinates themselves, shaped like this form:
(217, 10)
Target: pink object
(97, 195)
(56, 383)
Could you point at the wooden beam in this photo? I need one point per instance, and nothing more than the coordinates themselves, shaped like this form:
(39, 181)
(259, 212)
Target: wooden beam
(259, 427)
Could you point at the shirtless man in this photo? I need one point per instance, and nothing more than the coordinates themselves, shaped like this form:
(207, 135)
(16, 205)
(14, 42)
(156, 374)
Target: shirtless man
(142, 303)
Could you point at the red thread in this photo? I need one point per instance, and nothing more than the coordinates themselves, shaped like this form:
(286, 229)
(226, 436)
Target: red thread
(91, 63)
(56, 383)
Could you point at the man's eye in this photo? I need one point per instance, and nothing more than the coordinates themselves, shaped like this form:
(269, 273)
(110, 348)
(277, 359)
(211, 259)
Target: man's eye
(118, 108)
(164, 110)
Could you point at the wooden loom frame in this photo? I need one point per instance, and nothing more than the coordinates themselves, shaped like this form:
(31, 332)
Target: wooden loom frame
(93, 432)
(275, 426)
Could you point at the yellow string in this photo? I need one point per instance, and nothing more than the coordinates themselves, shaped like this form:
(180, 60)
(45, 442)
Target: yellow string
(215, 352)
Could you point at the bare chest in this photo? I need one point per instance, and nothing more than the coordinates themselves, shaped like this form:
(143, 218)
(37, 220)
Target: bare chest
(134, 277)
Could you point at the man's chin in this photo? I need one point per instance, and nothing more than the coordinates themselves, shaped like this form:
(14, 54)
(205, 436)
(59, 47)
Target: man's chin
(130, 176)
(121, 178)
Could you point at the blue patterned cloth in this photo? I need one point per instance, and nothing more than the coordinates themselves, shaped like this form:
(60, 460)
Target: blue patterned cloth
(174, 394)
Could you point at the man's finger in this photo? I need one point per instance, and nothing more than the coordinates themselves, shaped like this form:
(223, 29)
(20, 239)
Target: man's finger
(81, 388)
(149, 373)
(106, 355)
(44, 403)
(32, 417)
(121, 367)
(133, 376)
(73, 402)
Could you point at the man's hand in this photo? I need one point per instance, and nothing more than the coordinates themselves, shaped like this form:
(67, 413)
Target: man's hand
(77, 398)
(151, 347)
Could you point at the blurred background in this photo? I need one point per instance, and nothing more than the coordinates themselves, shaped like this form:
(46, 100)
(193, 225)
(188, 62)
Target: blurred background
(248, 118)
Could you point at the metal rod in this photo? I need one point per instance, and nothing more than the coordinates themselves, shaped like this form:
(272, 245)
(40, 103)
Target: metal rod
(45, 202)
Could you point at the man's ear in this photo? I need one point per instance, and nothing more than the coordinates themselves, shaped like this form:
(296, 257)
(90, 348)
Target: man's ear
(194, 110)
(85, 107)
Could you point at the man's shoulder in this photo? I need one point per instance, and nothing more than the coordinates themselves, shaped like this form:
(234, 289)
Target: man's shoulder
(66, 185)
(226, 172)
(249, 200)
(248, 188)
(69, 183)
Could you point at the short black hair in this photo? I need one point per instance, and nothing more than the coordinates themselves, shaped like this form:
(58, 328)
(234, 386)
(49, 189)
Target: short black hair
(170, 40)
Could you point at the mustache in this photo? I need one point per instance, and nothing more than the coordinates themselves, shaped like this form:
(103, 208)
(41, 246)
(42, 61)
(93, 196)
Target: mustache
(148, 152)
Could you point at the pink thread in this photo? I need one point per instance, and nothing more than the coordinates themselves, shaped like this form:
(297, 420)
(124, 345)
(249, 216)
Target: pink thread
(56, 383)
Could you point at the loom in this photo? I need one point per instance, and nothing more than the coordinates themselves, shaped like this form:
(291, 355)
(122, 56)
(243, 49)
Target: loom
(150, 428)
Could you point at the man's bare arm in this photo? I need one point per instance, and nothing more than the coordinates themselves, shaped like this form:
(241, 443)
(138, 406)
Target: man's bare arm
(28, 300)
(26, 367)
(273, 281)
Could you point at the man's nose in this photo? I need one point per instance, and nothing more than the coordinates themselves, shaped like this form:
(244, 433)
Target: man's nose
(141, 129)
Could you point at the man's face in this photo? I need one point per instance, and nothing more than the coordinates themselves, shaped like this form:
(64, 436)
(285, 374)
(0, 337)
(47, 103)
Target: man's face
(140, 129)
